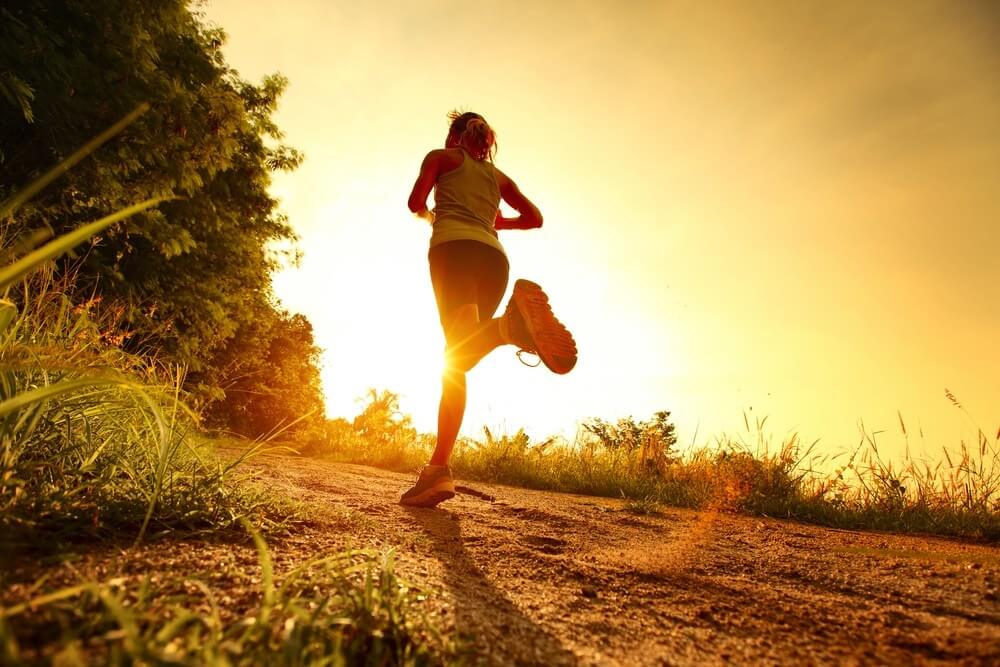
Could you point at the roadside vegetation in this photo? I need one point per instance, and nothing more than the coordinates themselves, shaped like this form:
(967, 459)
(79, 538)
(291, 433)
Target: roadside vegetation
(98, 443)
(346, 609)
(136, 313)
(958, 495)
(128, 328)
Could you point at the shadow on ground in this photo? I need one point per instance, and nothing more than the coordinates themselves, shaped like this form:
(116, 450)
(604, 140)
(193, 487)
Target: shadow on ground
(483, 613)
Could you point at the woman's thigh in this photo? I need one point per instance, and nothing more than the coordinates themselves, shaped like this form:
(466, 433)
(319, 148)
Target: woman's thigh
(466, 272)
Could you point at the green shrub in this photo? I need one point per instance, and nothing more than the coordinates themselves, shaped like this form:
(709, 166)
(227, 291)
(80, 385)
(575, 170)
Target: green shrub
(91, 438)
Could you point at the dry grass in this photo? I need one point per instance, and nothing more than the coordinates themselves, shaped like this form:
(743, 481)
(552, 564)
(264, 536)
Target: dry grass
(957, 495)
(347, 608)
(96, 442)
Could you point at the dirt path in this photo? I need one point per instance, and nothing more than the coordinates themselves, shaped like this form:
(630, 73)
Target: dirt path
(542, 578)
(538, 578)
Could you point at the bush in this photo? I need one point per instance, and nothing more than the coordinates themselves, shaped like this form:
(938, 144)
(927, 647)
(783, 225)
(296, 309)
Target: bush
(116, 449)
(637, 460)
(91, 438)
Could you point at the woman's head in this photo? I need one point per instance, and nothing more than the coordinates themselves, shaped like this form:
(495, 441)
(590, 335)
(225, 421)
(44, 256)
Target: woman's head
(471, 131)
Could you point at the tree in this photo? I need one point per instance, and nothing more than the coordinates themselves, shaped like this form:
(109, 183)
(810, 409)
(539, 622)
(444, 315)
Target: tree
(381, 422)
(272, 379)
(652, 441)
(194, 275)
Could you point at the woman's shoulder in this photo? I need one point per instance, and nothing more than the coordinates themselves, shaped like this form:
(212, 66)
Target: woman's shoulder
(502, 178)
(448, 159)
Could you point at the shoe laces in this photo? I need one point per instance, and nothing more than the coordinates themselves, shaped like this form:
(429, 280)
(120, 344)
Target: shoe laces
(521, 354)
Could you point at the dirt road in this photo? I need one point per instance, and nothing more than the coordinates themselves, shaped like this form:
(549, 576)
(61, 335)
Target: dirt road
(542, 578)
(536, 578)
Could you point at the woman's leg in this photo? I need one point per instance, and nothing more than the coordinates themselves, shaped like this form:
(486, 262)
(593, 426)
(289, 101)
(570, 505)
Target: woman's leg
(469, 338)
(469, 341)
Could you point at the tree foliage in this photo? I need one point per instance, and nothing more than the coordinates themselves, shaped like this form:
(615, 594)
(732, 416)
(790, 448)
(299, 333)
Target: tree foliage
(657, 434)
(381, 422)
(194, 275)
(272, 373)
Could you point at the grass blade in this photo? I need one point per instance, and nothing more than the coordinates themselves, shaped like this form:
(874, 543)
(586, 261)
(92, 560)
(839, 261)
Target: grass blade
(14, 272)
(36, 186)
(45, 393)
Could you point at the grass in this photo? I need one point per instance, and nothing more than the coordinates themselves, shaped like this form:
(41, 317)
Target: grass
(642, 506)
(93, 441)
(97, 443)
(347, 609)
(959, 495)
(116, 451)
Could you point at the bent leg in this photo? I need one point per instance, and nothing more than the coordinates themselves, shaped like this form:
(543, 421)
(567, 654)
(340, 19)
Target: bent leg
(469, 340)
(469, 280)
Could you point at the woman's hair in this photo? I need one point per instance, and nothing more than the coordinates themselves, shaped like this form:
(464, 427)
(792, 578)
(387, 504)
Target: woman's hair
(472, 132)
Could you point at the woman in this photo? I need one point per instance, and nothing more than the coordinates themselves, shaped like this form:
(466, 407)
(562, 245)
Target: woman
(469, 272)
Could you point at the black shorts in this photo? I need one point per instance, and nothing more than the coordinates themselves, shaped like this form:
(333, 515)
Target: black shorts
(464, 272)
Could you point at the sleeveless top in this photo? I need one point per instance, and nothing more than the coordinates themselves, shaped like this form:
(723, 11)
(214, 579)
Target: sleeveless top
(466, 200)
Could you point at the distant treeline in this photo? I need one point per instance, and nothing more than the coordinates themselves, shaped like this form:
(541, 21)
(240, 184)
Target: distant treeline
(190, 282)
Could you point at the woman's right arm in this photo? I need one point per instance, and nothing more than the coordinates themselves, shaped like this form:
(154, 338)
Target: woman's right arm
(425, 183)
(529, 216)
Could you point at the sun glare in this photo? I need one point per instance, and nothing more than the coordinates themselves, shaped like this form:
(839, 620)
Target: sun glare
(761, 236)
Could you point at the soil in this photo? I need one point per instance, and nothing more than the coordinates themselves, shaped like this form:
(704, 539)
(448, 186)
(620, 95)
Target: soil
(538, 578)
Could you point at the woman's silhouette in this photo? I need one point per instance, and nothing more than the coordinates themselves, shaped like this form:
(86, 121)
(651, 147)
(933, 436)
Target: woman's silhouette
(469, 273)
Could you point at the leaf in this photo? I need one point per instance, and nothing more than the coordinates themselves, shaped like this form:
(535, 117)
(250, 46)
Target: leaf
(33, 188)
(14, 272)
(18, 93)
(51, 391)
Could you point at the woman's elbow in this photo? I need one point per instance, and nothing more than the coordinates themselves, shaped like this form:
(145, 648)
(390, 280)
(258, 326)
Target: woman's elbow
(537, 220)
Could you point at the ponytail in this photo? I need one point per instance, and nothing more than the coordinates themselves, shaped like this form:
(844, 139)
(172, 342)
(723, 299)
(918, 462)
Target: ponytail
(472, 132)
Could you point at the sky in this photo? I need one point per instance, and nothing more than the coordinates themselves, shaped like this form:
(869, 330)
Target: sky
(783, 209)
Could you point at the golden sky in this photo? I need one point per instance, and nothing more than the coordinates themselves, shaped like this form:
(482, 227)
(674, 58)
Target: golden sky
(785, 206)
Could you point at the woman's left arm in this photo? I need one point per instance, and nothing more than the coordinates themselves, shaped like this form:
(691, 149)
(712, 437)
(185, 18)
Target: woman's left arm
(425, 183)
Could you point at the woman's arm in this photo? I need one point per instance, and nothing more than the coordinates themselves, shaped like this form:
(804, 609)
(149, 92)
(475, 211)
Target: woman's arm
(425, 183)
(530, 217)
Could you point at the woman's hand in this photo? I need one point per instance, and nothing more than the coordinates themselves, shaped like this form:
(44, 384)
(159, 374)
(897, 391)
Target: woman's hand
(523, 221)
(425, 214)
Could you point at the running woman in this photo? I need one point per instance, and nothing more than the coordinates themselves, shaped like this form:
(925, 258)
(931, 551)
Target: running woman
(469, 273)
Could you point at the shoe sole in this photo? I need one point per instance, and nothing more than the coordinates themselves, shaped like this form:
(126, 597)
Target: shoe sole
(438, 493)
(557, 362)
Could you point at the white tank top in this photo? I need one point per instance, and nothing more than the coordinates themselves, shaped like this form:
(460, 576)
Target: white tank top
(466, 200)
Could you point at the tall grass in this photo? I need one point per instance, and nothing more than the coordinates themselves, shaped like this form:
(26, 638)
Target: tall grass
(92, 440)
(957, 495)
(347, 609)
(115, 450)
(97, 442)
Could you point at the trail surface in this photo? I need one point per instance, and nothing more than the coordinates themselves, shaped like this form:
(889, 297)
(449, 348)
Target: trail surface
(536, 578)
(542, 578)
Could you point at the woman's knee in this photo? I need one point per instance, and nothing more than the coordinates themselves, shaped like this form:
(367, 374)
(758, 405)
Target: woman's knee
(458, 362)
(462, 326)
(452, 378)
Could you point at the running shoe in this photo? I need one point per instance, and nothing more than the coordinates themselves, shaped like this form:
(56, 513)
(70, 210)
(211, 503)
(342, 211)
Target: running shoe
(433, 486)
(534, 328)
